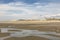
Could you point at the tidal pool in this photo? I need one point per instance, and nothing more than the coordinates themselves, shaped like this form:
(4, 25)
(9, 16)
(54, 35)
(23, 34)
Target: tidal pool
(25, 33)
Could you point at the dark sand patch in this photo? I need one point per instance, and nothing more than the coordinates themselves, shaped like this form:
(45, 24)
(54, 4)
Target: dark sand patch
(27, 38)
(4, 34)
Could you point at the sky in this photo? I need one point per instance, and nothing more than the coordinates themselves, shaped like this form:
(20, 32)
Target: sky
(28, 9)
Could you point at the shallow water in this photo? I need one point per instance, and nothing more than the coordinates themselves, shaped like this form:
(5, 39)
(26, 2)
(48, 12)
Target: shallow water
(35, 33)
(24, 33)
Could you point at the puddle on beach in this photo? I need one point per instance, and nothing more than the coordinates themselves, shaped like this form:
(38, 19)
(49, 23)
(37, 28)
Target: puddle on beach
(26, 33)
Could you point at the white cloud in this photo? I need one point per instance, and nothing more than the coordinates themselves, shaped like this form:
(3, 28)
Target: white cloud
(20, 10)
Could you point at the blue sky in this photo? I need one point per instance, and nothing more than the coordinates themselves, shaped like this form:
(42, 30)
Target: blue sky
(29, 1)
(28, 9)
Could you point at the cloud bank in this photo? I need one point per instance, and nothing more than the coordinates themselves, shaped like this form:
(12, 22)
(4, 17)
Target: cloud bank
(22, 10)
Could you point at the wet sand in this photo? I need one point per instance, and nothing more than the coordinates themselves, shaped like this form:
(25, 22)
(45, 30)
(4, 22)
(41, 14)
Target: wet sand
(27, 38)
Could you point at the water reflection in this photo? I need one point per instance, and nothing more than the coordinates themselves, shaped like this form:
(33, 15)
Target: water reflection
(24, 33)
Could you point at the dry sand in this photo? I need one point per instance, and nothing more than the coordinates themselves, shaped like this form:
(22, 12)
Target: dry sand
(33, 25)
(37, 25)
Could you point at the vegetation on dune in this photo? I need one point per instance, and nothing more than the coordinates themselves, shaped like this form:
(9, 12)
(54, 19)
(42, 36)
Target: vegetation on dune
(52, 18)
